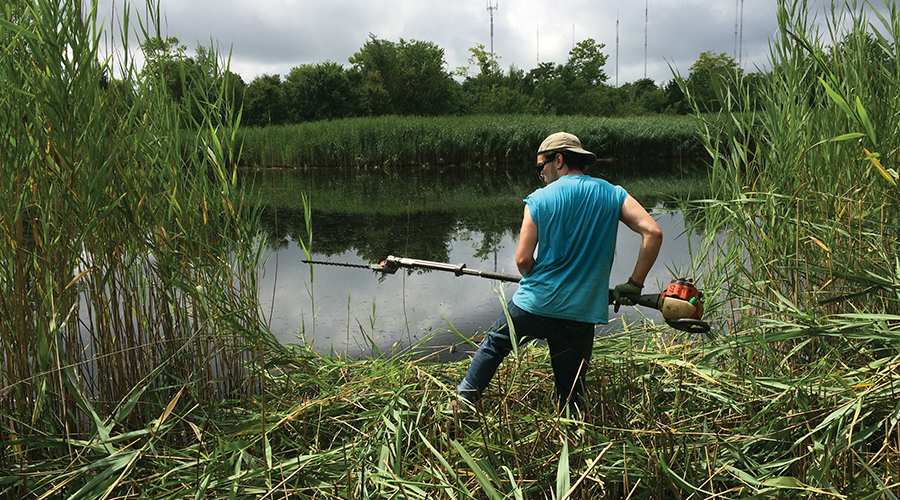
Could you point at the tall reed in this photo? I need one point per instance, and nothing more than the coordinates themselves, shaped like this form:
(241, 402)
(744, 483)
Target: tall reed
(812, 200)
(127, 255)
(809, 267)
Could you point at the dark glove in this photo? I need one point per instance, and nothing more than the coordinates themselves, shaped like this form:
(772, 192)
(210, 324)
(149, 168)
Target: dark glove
(620, 293)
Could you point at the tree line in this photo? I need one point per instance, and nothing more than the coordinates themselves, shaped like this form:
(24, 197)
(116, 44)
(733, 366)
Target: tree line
(411, 78)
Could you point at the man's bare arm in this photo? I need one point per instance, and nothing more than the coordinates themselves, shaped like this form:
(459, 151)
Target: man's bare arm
(638, 220)
(528, 238)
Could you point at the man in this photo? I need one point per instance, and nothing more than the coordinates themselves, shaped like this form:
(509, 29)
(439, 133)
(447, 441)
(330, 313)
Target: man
(565, 285)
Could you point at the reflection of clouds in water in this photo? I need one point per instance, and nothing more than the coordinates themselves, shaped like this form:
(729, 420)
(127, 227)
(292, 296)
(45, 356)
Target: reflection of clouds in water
(408, 308)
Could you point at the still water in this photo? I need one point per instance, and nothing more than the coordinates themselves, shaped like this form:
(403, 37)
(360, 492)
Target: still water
(454, 215)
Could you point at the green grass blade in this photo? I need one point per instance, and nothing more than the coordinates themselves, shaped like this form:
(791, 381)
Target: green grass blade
(486, 485)
(563, 477)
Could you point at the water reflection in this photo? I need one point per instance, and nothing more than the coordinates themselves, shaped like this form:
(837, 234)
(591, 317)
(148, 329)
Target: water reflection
(456, 216)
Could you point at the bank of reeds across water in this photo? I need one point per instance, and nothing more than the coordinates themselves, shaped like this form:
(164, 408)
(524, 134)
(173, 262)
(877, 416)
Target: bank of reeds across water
(135, 362)
(393, 141)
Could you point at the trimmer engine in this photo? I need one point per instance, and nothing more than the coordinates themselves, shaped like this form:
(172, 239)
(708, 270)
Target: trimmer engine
(672, 300)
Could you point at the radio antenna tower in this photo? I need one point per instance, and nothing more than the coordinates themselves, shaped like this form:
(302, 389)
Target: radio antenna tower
(646, 18)
(739, 21)
(617, 49)
(492, 7)
(741, 44)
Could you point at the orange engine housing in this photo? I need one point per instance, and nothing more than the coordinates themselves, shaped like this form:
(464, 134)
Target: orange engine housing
(684, 289)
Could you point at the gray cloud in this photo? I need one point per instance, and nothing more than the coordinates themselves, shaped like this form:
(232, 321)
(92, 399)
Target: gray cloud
(273, 36)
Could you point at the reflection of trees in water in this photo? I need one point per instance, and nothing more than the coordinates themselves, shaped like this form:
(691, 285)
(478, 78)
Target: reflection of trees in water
(493, 226)
(423, 235)
(418, 213)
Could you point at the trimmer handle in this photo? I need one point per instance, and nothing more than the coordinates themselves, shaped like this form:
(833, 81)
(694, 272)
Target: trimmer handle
(651, 300)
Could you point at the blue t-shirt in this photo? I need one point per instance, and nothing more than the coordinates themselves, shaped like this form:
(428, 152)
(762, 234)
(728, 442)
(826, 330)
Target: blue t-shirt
(577, 217)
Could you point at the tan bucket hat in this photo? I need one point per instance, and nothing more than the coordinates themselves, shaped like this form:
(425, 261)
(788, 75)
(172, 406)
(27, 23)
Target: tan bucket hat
(566, 141)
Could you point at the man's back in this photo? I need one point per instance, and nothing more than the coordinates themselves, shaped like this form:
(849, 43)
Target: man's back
(577, 219)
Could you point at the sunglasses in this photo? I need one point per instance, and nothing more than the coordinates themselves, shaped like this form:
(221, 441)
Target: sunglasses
(540, 166)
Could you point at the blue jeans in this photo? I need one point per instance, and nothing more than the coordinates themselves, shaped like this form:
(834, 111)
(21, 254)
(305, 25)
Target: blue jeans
(570, 344)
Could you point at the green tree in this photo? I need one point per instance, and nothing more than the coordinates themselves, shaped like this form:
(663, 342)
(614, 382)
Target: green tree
(406, 78)
(486, 62)
(578, 87)
(643, 96)
(585, 64)
(549, 87)
(264, 102)
(320, 92)
(501, 100)
(426, 87)
(602, 100)
(375, 70)
(709, 72)
(675, 99)
(493, 92)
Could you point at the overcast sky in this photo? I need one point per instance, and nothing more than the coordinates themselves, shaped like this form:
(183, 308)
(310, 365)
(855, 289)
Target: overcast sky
(273, 36)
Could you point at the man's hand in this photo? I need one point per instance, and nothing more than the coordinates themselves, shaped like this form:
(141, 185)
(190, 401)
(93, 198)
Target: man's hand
(621, 293)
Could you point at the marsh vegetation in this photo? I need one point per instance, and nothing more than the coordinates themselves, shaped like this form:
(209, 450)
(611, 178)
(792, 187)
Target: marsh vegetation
(136, 363)
(494, 141)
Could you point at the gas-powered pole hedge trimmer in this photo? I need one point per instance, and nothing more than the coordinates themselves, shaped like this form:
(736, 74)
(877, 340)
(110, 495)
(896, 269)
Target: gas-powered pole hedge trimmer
(681, 303)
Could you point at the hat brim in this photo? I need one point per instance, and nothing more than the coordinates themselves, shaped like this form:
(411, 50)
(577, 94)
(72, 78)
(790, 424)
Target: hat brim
(590, 157)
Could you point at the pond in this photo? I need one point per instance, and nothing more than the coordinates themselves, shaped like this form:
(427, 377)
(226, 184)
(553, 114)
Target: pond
(456, 215)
